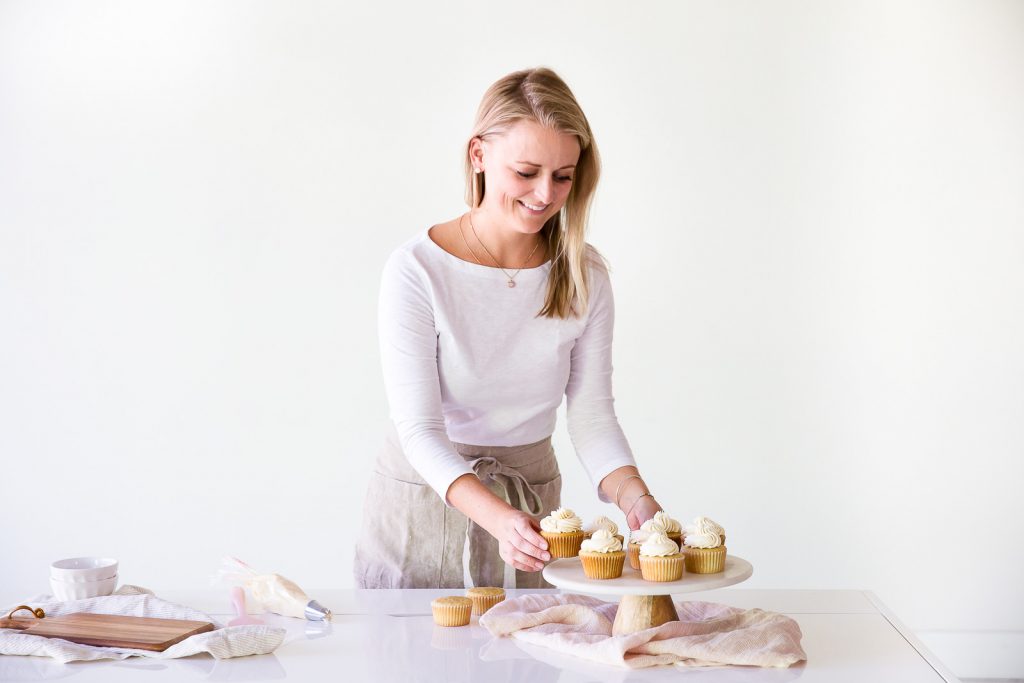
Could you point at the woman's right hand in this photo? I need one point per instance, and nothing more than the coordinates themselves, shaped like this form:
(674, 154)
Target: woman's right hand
(519, 541)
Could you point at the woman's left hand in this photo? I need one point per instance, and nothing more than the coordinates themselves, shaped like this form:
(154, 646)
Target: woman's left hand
(643, 509)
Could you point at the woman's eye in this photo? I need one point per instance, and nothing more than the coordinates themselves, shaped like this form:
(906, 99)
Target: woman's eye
(561, 179)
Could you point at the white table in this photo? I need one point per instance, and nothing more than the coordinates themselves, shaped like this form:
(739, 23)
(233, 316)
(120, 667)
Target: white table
(388, 635)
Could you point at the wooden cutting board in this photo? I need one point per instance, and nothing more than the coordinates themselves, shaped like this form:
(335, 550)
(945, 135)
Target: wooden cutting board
(108, 630)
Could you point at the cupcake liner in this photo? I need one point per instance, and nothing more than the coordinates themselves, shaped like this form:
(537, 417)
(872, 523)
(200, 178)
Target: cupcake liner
(668, 568)
(603, 565)
(485, 598)
(705, 560)
(563, 544)
(634, 556)
(451, 611)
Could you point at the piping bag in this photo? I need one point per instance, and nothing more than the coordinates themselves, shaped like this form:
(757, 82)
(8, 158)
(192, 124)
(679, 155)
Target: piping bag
(273, 592)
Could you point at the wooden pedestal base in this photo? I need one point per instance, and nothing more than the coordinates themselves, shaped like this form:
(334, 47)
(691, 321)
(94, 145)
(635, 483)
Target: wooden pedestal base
(641, 612)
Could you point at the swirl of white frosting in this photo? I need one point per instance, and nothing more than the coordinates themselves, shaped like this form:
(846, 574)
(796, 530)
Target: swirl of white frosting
(654, 525)
(561, 521)
(706, 539)
(602, 522)
(602, 542)
(658, 545)
(671, 525)
(704, 525)
(639, 536)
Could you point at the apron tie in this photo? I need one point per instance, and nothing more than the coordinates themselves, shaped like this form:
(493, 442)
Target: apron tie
(509, 481)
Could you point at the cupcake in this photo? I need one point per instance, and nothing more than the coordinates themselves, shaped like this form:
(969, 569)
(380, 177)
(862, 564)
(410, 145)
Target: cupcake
(660, 559)
(563, 530)
(484, 598)
(704, 525)
(602, 556)
(452, 610)
(705, 553)
(673, 529)
(636, 538)
(602, 522)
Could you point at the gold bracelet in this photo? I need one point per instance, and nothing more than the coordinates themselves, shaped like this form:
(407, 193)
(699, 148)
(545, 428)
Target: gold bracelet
(637, 501)
(618, 489)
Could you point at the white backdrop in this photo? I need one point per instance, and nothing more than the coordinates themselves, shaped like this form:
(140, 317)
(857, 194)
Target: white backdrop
(813, 211)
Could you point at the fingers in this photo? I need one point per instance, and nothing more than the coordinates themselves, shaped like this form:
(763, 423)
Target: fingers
(523, 547)
(535, 555)
(642, 509)
(529, 541)
(529, 530)
(520, 560)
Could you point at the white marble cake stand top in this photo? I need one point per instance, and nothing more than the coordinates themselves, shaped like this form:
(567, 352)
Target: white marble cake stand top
(568, 574)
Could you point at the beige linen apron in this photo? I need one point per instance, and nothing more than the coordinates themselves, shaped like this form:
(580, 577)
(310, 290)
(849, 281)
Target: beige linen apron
(411, 539)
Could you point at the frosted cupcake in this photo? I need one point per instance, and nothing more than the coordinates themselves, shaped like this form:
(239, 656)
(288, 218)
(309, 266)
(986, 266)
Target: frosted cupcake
(662, 522)
(636, 539)
(563, 530)
(602, 522)
(704, 551)
(655, 525)
(484, 598)
(602, 556)
(660, 559)
(633, 548)
(704, 525)
(452, 610)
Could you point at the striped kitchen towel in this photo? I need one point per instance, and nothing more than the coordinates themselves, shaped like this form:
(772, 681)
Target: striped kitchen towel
(133, 601)
(707, 633)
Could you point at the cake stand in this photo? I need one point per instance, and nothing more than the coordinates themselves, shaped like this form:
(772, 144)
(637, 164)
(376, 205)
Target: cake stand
(644, 604)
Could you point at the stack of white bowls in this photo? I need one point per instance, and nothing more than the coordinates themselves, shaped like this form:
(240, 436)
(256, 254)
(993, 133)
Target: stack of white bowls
(83, 577)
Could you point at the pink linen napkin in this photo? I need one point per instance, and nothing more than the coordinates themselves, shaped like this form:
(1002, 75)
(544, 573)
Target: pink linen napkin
(707, 633)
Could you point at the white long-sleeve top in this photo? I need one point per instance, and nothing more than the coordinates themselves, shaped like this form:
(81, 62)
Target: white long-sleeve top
(466, 358)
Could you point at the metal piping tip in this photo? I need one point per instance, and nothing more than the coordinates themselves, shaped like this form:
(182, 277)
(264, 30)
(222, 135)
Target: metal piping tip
(317, 612)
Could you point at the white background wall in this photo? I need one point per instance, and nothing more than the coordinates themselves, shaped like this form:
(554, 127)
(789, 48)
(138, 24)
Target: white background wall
(813, 210)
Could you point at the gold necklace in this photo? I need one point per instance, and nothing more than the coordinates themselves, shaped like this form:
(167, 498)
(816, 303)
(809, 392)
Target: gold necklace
(466, 242)
(511, 277)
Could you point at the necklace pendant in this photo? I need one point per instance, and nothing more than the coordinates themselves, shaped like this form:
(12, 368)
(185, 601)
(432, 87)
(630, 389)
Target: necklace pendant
(511, 283)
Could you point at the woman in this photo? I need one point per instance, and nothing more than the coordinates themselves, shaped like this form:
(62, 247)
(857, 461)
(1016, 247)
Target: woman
(486, 321)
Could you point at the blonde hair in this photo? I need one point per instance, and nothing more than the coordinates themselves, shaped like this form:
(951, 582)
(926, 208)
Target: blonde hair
(540, 95)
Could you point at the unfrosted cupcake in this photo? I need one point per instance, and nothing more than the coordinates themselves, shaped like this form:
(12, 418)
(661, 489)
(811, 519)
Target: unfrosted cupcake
(452, 610)
(705, 553)
(673, 528)
(602, 522)
(660, 559)
(602, 556)
(563, 530)
(484, 598)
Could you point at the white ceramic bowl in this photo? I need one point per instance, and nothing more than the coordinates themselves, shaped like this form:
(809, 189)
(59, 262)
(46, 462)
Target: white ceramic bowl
(79, 590)
(83, 569)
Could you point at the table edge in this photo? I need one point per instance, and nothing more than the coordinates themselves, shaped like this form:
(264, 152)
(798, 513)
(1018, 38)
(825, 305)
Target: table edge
(908, 635)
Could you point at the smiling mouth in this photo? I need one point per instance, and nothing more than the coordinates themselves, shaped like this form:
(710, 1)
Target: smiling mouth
(534, 209)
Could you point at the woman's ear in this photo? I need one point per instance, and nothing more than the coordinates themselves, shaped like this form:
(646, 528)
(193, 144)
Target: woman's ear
(476, 153)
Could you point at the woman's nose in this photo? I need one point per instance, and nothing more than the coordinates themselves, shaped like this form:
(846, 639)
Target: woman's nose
(545, 190)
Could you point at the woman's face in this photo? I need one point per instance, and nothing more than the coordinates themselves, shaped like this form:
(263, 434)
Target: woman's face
(529, 171)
